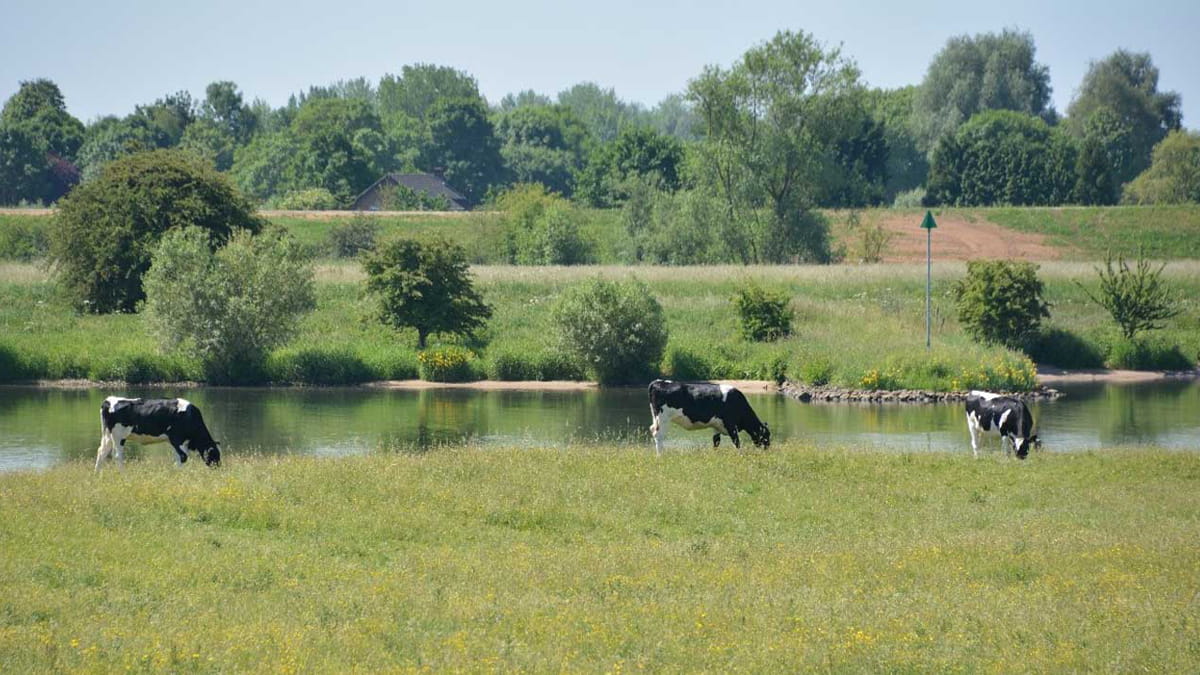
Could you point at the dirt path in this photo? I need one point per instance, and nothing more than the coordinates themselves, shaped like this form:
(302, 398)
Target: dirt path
(957, 238)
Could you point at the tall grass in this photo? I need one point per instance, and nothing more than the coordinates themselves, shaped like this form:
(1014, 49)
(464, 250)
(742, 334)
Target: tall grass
(606, 559)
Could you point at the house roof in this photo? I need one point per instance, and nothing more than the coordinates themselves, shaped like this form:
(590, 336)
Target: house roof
(420, 182)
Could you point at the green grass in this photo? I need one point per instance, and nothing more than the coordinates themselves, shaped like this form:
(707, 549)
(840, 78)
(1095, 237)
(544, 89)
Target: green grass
(606, 559)
(1163, 232)
(863, 324)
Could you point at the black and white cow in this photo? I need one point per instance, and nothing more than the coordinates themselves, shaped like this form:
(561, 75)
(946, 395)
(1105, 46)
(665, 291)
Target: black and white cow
(174, 420)
(1003, 415)
(698, 405)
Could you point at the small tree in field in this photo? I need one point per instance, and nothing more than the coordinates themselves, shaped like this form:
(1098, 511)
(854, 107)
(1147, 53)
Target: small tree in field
(228, 307)
(1137, 299)
(616, 329)
(1001, 301)
(426, 286)
(765, 314)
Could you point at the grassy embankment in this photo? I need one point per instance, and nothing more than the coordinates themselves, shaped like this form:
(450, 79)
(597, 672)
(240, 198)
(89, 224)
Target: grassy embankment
(607, 559)
(855, 326)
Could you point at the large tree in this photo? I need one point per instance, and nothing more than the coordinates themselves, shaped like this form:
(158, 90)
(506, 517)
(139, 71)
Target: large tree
(1119, 106)
(38, 108)
(463, 144)
(542, 144)
(418, 87)
(601, 111)
(773, 123)
(973, 74)
(636, 153)
(1174, 173)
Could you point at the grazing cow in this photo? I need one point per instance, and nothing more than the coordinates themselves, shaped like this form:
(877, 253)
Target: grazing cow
(695, 406)
(1003, 415)
(174, 420)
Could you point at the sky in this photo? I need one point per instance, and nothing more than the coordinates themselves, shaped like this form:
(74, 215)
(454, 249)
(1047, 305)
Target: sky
(112, 55)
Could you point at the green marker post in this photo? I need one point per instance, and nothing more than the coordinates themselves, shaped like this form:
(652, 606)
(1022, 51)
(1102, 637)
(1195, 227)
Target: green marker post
(928, 226)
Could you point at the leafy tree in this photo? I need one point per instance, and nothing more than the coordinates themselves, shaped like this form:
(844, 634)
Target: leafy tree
(209, 140)
(426, 286)
(335, 152)
(772, 125)
(404, 198)
(463, 142)
(541, 228)
(1095, 180)
(23, 170)
(166, 119)
(1001, 301)
(974, 74)
(223, 105)
(109, 138)
(638, 153)
(1134, 115)
(418, 87)
(542, 144)
(1003, 157)
(38, 108)
(272, 164)
(907, 166)
(1137, 299)
(105, 230)
(1174, 173)
(521, 99)
(674, 117)
(231, 306)
(616, 328)
(599, 109)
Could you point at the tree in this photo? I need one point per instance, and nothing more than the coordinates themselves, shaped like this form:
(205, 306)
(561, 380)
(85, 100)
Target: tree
(772, 124)
(1174, 173)
(675, 117)
(231, 306)
(109, 138)
(1003, 157)
(426, 286)
(272, 164)
(166, 119)
(1001, 302)
(973, 74)
(907, 166)
(211, 141)
(542, 144)
(223, 106)
(599, 109)
(23, 170)
(637, 153)
(105, 230)
(419, 86)
(1135, 116)
(463, 143)
(616, 328)
(334, 153)
(1137, 299)
(38, 108)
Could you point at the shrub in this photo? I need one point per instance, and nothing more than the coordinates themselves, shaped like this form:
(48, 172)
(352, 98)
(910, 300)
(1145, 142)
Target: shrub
(337, 365)
(426, 286)
(909, 199)
(231, 307)
(816, 371)
(24, 241)
(1137, 299)
(765, 315)
(542, 228)
(874, 240)
(403, 198)
(616, 328)
(512, 367)
(312, 199)
(683, 363)
(448, 364)
(1147, 353)
(349, 238)
(1001, 301)
(107, 228)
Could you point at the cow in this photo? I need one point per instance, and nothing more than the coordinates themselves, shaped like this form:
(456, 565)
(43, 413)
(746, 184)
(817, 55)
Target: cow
(1003, 415)
(174, 420)
(698, 405)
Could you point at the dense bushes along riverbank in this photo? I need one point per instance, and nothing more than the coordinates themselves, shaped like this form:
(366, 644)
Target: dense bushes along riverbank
(605, 559)
(856, 326)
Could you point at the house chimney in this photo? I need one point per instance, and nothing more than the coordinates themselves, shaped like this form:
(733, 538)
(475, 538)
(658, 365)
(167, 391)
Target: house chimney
(440, 172)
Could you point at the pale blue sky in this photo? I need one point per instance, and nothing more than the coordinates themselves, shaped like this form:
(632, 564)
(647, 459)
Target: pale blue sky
(108, 56)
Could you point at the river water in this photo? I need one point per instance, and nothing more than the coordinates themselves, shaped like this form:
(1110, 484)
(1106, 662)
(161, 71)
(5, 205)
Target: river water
(40, 427)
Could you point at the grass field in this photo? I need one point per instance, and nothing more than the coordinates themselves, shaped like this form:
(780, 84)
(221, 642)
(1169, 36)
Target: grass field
(609, 560)
(855, 326)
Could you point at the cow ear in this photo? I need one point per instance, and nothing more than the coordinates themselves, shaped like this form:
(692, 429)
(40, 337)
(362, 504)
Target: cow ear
(121, 405)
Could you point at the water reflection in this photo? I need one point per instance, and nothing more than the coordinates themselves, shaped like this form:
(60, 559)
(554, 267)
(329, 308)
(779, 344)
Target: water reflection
(40, 427)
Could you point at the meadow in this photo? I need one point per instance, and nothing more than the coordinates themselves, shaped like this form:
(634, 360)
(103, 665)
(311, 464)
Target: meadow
(606, 559)
(856, 326)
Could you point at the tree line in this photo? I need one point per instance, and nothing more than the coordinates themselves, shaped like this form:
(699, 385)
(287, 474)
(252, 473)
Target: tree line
(744, 154)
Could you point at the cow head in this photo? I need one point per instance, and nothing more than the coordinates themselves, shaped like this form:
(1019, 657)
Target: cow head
(212, 456)
(1022, 445)
(761, 436)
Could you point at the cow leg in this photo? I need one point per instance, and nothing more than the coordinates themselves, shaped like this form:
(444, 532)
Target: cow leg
(105, 449)
(716, 440)
(659, 432)
(733, 436)
(120, 448)
(974, 436)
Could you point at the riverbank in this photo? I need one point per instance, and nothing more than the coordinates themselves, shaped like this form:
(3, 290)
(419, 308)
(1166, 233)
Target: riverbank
(606, 559)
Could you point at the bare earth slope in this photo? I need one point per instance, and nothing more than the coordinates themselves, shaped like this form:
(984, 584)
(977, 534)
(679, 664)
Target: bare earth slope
(956, 238)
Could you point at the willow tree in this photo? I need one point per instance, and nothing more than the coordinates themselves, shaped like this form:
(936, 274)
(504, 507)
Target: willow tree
(772, 123)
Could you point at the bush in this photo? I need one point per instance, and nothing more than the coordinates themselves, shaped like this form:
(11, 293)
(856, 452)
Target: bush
(616, 328)
(1147, 353)
(312, 199)
(683, 363)
(1001, 302)
(107, 228)
(1062, 348)
(909, 199)
(231, 307)
(1137, 299)
(20, 240)
(349, 238)
(765, 315)
(816, 371)
(512, 367)
(448, 364)
(338, 365)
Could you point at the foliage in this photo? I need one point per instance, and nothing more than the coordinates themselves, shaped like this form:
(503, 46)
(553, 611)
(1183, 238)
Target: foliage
(38, 108)
(403, 198)
(450, 363)
(109, 138)
(1002, 157)
(542, 228)
(543, 144)
(229, 308)
(1138, 299)
(463, 142)
(909, 199)
(600, 110)
(311, 199)
(772, 124)
(1001, 301)
(636, 154)
(419, 86)
(1151, 352)
(971, 75)
(426, 286)
(873, 242)
(617, 328)
(1065, 349)
(1174, 173)
(350, 238)
(906, 164)
(23, 174)
(210, 141)
(765, 315)
(341, 147)
(1119, 104)
(24, 240)
(105, 230)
